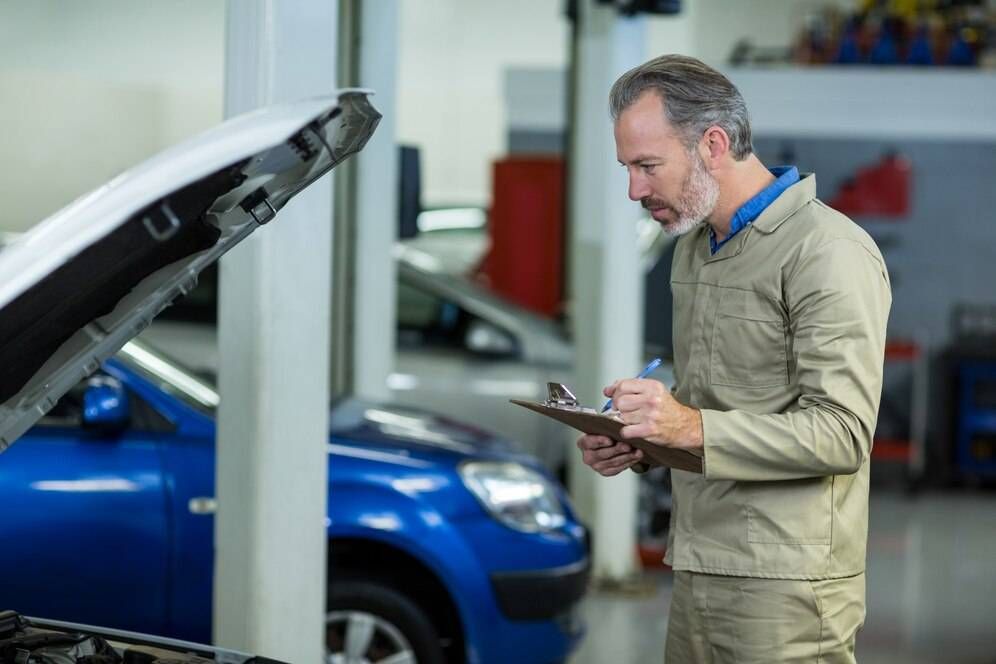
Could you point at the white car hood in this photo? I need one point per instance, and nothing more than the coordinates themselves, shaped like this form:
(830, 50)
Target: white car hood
(79, 285)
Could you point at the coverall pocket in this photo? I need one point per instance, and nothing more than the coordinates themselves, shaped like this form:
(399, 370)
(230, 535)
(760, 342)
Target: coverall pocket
(799, 513)
(748, 342)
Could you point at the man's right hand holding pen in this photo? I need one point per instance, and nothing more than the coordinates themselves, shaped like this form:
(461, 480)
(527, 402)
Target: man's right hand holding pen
(650, 412)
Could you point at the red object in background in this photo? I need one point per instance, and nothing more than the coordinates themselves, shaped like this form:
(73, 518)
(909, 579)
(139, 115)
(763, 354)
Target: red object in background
(898, 449)
(652, 557)
(882, 190)
(526, 261)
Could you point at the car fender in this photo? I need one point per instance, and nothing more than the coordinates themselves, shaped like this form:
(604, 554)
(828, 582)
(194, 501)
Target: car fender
(413, 526)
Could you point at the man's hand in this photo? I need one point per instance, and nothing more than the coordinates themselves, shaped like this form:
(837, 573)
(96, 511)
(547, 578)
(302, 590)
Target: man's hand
(606, 456)
(651, 413)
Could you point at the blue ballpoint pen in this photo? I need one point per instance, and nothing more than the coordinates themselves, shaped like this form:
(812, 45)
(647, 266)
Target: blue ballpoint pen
(656, 362)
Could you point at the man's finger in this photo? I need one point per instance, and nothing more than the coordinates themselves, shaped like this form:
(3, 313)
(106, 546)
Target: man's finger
(612, 452)
(605, 454)
(616, 459)
(616, 465)
(630, 386)
(624, 402)
(637, 386)
(602, 442)
(592, 442)
(624, 460)
(606, 470)
(634, 402)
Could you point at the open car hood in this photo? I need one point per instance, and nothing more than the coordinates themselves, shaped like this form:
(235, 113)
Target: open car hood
(79, 285)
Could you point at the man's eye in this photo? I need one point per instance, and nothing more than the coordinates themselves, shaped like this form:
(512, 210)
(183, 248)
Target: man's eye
(649, 168)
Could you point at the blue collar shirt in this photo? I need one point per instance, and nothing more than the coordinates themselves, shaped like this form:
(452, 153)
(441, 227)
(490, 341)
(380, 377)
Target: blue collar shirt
(786, 176)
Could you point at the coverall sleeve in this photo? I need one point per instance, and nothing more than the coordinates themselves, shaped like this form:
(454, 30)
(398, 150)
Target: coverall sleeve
(838, 301)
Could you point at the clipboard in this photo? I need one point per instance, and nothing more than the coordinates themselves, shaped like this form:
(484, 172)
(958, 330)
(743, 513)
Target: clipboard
(563, 406)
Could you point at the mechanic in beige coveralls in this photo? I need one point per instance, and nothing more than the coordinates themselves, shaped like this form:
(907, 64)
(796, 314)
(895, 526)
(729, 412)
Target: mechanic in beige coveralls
(780, 309)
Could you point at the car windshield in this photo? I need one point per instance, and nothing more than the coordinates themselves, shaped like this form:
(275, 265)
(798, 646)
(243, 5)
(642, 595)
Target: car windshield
(171, 376)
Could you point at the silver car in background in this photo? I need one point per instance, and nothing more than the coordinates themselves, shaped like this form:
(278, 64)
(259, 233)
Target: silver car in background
(462, 352)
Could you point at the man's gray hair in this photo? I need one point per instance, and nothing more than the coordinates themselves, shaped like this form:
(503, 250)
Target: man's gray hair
(695, 97)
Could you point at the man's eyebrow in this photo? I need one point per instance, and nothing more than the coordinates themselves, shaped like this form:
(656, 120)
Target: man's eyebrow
(639, 159)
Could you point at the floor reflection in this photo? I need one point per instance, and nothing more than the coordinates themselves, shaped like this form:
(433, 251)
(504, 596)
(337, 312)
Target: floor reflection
(931, 590)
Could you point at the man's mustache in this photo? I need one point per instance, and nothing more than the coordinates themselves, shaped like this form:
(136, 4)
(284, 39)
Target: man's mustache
(652, 203)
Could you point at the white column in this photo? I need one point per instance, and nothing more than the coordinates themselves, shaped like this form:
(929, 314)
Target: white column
(376, 210)
(270, 542)
(606, 279)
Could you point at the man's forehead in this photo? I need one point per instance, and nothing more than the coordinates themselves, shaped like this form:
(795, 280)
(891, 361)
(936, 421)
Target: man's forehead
(642, 142)
(643, 127)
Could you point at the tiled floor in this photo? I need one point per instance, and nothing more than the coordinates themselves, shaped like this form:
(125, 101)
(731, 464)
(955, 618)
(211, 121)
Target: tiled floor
(931, 590)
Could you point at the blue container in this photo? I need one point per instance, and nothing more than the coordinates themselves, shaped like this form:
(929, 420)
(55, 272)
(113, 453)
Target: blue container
(976, 437)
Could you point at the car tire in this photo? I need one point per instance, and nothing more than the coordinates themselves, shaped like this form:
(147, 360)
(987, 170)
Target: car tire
(371, 620)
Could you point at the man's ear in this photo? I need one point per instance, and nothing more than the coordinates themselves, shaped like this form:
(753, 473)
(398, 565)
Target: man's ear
(716, 145)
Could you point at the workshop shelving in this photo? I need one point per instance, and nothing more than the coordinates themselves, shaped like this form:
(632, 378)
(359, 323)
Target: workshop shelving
(870, 102)
(975, 440)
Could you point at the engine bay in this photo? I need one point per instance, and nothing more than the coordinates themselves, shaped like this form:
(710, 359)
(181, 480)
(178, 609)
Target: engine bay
(30, 641)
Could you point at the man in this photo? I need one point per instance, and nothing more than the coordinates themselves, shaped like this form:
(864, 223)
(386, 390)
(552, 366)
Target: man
(780, 309)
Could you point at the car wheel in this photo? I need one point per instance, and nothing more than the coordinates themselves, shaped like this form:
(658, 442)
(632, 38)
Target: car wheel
(370, 623)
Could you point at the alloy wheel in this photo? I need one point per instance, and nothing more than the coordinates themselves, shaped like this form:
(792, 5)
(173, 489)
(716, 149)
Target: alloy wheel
(359, 637)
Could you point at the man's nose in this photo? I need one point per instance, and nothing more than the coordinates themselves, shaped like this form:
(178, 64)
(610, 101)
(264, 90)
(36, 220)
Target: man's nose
(638, 189)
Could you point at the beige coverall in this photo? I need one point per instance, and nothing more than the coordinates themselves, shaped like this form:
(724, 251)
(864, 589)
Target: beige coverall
(779, 339)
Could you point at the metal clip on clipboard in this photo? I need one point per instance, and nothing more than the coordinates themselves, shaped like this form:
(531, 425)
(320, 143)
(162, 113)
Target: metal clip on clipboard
(560, 396)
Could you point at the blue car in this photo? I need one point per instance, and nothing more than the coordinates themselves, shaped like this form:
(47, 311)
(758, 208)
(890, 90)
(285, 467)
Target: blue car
(444, 544)
(454, 547)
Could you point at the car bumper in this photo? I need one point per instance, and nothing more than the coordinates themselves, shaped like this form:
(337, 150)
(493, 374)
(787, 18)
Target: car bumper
(541, 594)
(517, 612)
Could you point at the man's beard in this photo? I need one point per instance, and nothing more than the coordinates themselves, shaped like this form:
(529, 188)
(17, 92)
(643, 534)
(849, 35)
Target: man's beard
(699, 194)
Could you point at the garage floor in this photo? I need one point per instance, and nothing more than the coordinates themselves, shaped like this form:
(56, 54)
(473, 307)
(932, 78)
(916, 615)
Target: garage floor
(931, 590)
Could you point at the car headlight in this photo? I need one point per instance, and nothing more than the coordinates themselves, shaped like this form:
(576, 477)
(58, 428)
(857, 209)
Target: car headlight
(517, 496)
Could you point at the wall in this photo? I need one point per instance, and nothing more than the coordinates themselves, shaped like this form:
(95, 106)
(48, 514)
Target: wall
(92, 88)
(450, 84)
